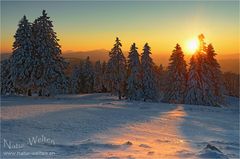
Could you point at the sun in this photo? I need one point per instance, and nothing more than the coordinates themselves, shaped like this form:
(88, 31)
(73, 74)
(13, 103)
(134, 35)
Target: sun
(192, 45)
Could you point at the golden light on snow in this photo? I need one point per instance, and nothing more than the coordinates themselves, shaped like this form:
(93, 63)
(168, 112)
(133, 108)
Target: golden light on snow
(156, 138)
(192, 45)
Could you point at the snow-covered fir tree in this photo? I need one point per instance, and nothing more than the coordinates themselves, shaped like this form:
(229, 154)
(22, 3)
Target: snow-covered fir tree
(205, 73)
(117, 70)
(82, 80)
(108, 79)
(22, 58)
(194, 89)
(75, 80)
(134, 81)
(200, 85)
(88, 76)
(104, 76)
(98, 77)
(157, 75)
(231, 84)
(6, 80)
(150, 91)
(49, 65)
(68, 86)
(215, 74)
(176, 77)
(207, 83)
(162, 79)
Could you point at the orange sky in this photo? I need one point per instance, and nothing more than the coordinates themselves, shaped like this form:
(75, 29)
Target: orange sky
(94, 25)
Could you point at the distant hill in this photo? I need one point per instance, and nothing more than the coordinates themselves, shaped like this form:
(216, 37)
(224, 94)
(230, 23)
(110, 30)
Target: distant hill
(228, 62)
(5, 56)
(95, 55)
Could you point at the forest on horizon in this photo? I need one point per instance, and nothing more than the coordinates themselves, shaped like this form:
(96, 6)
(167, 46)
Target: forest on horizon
(37, 63)
(228, 62)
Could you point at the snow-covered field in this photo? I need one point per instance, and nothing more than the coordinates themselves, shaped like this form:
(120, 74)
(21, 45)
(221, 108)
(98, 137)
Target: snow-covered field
(100, 126)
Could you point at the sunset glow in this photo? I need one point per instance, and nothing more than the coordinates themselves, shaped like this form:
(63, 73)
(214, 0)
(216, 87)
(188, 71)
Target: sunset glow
(191, 46)
(120, 79)
(94, 25)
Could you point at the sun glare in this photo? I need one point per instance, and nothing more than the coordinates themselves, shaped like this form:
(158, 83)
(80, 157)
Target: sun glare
(192, 46)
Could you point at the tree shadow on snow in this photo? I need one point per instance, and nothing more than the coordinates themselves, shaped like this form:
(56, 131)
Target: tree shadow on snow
(212, 131)
(67, 126)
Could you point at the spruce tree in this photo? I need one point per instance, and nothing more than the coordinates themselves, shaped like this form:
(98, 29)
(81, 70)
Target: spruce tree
(88, 76)
(205, 74)
(108, 78)
(98, 77)
(162, 79)
(157, 74)
(215, 74)
(148, 77)
(6, 80)
(49, 65)
(75, 80)
(176, 77)
(200, 85)
(22, 58)
(104, 76)
(231, 84)
(194, 89)
(134, 87)
(117, 70)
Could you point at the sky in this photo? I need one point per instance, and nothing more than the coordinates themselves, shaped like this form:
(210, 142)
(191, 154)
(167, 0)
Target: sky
(82, 25)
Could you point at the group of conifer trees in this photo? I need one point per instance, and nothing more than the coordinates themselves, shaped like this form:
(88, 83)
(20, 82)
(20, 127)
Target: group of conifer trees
(138, 78)
(133, 78)
(36, 65)
(201, 84)
(36, 62)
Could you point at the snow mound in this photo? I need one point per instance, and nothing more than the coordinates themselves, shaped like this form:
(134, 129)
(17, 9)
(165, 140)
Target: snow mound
(128, 143)
(144, 146)
(211, 151)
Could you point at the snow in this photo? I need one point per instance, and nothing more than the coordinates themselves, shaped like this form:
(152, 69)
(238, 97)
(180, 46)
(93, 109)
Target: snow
(211, 152)
(99, 125)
